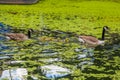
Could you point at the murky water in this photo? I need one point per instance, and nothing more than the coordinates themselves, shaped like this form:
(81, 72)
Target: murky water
(49, 52)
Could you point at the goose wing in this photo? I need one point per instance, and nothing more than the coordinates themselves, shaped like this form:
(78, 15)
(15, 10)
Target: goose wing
(16, 36)
(90, 39)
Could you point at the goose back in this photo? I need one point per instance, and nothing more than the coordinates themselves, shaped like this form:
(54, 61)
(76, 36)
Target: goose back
(16, 36)
(89, 38)
(90, 41)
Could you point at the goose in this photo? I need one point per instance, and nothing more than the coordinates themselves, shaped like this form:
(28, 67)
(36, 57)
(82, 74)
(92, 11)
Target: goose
(92, 42)
(18, 36)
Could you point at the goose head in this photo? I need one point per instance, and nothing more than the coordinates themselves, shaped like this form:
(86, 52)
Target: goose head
(106, 28)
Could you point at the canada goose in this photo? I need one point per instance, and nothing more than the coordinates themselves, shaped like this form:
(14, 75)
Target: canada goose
(91, 41)
(18, 36)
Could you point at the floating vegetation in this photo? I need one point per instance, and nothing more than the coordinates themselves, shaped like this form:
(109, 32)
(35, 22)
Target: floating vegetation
(58, 57)
(49, 50)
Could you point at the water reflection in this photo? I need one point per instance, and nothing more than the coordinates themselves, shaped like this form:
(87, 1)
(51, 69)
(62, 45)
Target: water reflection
(53, 71)
(2, 38)
(49, 60)
(3, 29)
(14, 74)
(5, 57)
(84, 52)
(3, 47)
(48, 52)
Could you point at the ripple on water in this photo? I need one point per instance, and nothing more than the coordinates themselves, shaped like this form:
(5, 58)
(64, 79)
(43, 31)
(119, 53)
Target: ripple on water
(3, 47)
(5, 57)
(48, 52)
(2, 38)
(3, 29)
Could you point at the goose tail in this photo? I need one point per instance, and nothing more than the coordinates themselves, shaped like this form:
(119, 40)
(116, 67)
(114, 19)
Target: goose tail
(101, 42)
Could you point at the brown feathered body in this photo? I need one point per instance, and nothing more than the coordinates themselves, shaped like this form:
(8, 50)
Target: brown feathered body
(16, 36)
(90, 41)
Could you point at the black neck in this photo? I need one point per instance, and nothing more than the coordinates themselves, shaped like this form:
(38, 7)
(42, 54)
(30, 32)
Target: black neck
(103, 34)
(29, 34)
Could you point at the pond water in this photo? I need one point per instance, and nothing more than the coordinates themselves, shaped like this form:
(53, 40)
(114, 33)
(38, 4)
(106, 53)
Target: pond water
(47, 52)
